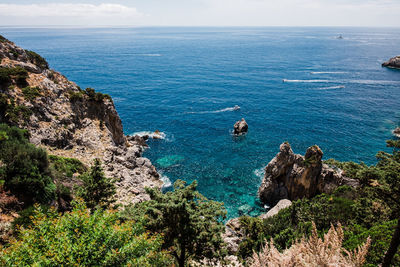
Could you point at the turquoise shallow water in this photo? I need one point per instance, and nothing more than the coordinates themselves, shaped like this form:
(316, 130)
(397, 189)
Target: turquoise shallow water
(185, 81)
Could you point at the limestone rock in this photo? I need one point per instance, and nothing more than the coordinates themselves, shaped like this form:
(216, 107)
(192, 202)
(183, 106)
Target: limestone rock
(394, 62)
(240, 127)
(282, 204)
(292, 176)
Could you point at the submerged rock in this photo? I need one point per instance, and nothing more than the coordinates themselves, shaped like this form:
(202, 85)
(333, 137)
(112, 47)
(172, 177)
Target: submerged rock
(292, 176)
(240, 127)
(169, 161)
(394, 62)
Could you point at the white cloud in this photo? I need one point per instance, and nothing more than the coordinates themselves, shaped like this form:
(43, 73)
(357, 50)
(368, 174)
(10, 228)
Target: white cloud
(68, 14)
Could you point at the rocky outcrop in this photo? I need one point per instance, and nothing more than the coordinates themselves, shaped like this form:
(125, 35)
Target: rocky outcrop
(240, 127)
(396, 132)
(71, 122)
(282, 204)
(292, 176)
(394, 62)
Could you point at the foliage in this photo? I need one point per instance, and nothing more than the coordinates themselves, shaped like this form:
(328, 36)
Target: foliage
(313, 252)
(295, 221)
(66, 166)
(15, 75)
(96, 96)
(31, 93)
(12, 113)
(79, 238)
(97, 190)
(76, 96)
(380, 238)
(3, 39)
(190, 223)
(24, 167)
(36, 59)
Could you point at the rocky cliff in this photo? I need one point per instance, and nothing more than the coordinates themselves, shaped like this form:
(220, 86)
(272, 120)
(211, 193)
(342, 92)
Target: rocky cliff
(293, 176)
(71, 122)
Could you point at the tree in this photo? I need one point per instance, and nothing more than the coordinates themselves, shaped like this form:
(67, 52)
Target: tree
(391, 165)
(190, 223)
(97, 190)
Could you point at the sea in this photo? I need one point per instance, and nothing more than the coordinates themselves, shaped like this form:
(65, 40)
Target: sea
(302, 85)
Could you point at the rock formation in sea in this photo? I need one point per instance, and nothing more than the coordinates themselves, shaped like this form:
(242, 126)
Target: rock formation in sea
(71, 122)
(394, 62)
(240, 127)
(292, 176)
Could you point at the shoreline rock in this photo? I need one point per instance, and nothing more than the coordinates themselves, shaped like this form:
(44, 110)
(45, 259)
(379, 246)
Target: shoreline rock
(396, 132)
(394, 63)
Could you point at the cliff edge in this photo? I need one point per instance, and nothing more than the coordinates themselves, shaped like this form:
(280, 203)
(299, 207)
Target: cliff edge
(71, 122)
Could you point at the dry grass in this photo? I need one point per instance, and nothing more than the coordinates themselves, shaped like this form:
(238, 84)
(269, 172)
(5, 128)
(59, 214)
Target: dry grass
(313, 252)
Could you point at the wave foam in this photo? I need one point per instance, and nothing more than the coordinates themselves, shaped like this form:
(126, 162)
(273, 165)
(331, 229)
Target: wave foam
(154, 135)
(332, 87)
(307, 81)
(328, 72)
(166, 181)
(259, 172)
(235, 108)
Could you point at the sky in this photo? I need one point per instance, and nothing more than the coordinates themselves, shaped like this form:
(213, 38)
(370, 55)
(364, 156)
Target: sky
(376, 13)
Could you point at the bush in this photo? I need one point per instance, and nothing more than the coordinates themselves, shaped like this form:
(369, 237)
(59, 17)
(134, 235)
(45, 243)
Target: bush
(313, 252)
(380, 239)
(76, 96)
(66, 166)
(31, 93)
(25, 168)
(78, 238)
(36, 59)
(295, 221)
(15, 75)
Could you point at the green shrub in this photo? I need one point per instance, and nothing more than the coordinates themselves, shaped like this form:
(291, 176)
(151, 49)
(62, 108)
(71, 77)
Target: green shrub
(79, 238)
(380, 235)
(36, 59)
(96, 96)
(25, 168)
(3, 39)
(31, 93)
(296, 221)
(76, 96)
(15, 75)
(66, 166)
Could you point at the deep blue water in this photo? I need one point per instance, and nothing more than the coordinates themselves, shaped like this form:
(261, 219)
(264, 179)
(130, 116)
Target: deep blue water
(176, 79)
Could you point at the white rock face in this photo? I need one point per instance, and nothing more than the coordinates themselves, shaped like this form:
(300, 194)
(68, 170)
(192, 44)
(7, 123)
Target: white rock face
(282, 204)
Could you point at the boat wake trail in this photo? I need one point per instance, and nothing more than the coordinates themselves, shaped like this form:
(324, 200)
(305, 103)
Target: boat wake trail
(215, 111)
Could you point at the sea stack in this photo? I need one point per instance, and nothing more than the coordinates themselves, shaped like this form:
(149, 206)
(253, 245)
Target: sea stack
(240, 127)
(394, 63)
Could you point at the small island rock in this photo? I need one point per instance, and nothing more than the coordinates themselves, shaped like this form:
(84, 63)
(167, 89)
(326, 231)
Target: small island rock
(240, 127)
(394, 62)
